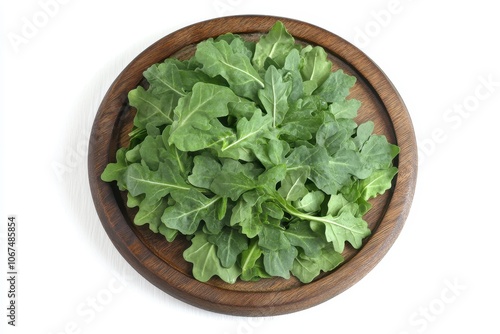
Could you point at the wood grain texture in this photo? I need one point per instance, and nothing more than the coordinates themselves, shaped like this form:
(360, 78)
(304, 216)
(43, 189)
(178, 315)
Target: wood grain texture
(162, 263)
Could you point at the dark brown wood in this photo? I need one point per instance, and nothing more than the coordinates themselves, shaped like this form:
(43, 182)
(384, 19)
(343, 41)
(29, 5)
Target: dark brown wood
(161, 262)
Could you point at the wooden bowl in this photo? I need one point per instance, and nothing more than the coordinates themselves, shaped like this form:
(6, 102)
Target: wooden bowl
(162, 263)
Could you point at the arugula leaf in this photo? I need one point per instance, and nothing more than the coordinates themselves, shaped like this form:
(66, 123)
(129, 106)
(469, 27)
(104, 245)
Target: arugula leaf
(154, 184)
(279, 262)
(377, 152)
(182, 160)
(293, 186)
(291, 68)
(311, 202)
(230, 243)
(152, 151)
(247, 131)
(306, 268)
(270, 151)
(191, 207)
(301, 121)
(115, 171)
(336, 203)
(153, 110)
(274, 95)
(232, 181)
(275, 45)
(168, 233)
(328, 173)
(252, 266)
(345, 227)
(377, 183)
(273, 238)
(299, 234)
(347, 109)
(218, 58)
(165, 78)
(198, 111)
(205, 169)
(203, 255)
(246, 215)
(336, 87)
(316, 68)
(363, 133)
(150, 213)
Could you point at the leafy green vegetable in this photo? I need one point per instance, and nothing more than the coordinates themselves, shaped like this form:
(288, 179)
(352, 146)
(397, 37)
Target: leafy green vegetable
(251, 151)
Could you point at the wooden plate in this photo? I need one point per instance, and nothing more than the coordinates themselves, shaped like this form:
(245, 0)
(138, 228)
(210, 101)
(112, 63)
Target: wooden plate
(162, 263)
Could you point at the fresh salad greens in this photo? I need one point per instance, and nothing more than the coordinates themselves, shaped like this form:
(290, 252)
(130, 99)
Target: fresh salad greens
(251, 151)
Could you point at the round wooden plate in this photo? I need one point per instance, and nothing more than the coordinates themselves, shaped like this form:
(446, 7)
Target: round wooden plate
(162, 263)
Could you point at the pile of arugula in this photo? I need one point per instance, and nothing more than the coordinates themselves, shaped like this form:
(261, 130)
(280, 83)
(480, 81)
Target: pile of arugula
(251, 151)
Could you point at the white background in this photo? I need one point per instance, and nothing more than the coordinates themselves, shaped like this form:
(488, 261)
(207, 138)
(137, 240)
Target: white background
(441, 274)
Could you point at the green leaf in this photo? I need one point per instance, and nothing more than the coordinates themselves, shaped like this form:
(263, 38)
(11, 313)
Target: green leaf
(301, 121)
(190, 74)
(316, 68)
(218, 58)
(345, 227)
(268, 180)
(203, 255)
(195, 116)
(376, 153)
(182, 160)
(205, 102)
(252, 267)
(377, 183)
(347, 109)
(205, 169)
(292, 74)
(311, 202)
(232, 181)
(335, 204)
(272, 210)
(293, 185)
(242, 109)
(238, 44)
(230, 243)
(279, 262)
(333, 137)
(306, 268)
(151, 109)
(299, 234)
(164, 78)
(270, 151)
(274, 95)
(191, 207)
(152, 151)
(336, 87)
(115, 171)
(154, 184)
(168, 233)
(345, 163)
(134, 201)
(363, 133)
(247, 132)
(247, 216)
(150, 213)
(327, 173)
(198, 140)
(273, 238)
(339, 229)
(133, 155)
(276, 44)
